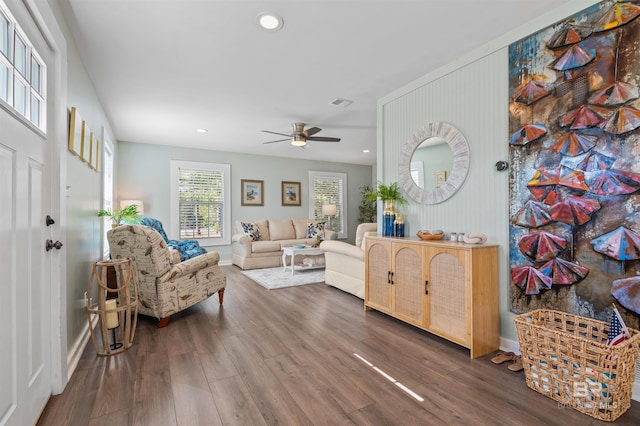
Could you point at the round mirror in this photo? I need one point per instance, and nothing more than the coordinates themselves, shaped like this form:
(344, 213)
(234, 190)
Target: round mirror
(434, 163)
(431, 163)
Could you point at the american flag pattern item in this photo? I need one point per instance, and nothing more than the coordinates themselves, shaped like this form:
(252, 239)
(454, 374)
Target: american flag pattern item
(618, 331)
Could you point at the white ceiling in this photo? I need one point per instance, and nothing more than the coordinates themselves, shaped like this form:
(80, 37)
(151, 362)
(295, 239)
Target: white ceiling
(164, 68)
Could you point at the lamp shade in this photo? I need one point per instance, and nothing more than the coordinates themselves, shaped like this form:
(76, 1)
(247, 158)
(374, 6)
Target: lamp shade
(329, 210)
(125, 203)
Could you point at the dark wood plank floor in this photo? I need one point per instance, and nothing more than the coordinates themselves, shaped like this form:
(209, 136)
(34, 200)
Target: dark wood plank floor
(286, 357)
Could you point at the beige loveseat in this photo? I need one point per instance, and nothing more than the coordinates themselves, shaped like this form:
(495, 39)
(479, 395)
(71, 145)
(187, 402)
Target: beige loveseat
(265, 249)
(344, 262)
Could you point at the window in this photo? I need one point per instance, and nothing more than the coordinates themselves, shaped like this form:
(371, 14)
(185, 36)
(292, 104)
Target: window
(107, 186)
(329, 188)
(5, 64)
(200, 202)
(4, 34)
(22, 72)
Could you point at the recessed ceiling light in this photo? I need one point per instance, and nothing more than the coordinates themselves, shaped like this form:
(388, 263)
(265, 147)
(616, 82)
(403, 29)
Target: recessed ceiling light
(366, 151)
(270, 21)
(201, 130)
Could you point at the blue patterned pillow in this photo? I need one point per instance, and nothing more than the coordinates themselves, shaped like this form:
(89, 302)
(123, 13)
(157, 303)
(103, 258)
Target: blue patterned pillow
(315, 230)
(251, 230)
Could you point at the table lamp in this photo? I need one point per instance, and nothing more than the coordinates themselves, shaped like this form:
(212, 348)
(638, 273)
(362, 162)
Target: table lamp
(329, 210)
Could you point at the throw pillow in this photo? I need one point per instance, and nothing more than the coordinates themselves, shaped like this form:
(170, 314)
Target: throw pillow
(251, 230)
(315, 230)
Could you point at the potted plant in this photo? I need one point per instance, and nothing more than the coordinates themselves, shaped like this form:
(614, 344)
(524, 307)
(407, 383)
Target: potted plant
(390, 196)
(127, 214)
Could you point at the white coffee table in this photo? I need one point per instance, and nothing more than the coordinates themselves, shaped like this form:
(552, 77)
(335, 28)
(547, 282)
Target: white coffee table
(293, 252)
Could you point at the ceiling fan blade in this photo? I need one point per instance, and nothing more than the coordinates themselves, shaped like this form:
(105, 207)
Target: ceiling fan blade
(279, 140)
(276, 133)
(311, 131)
(323, 139)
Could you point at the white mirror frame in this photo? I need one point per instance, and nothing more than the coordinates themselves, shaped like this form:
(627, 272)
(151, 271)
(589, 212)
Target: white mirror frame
(460, 149)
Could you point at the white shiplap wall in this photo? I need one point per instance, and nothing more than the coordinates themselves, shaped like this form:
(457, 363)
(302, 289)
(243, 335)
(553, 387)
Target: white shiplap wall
(473, 99)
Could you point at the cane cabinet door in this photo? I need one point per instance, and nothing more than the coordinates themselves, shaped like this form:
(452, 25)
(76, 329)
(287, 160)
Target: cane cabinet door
(377, 290)
(408, 290)
(446, 288)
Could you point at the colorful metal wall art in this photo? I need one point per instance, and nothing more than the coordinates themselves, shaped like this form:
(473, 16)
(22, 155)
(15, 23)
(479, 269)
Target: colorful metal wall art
(574, 118)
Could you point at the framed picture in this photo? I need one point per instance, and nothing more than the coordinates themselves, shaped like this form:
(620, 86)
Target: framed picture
(86, 143)
(93, 158)
(290, 193)
(252, 192)
(75, 132)
(440, 178)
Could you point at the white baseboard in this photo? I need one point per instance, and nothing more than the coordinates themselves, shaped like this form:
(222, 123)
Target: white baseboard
(509, 345)
(73, 358)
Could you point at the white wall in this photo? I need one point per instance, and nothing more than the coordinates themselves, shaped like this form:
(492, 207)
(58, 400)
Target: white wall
(143, 173)
(471, 94)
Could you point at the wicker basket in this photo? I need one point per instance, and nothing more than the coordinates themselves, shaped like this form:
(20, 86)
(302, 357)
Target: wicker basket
(566, 358)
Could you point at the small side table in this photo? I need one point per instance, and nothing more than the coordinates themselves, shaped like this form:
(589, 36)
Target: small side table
(293, 252)
(116, 308)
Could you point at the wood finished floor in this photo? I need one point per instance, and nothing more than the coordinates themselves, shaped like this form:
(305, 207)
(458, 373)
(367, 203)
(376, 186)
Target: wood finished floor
(286, 357)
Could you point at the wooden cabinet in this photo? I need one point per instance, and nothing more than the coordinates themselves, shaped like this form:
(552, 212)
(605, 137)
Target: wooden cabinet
(447, 288)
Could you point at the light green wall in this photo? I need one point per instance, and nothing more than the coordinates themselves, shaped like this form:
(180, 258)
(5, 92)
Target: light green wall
(143, 173)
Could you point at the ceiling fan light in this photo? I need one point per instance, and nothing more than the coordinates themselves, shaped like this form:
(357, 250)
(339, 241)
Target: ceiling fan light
(298, 140)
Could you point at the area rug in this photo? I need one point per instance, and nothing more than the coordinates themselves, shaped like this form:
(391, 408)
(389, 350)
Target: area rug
(272, 278)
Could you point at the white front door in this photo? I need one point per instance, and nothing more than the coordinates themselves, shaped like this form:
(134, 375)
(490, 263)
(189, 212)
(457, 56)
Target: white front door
(25, 264)
(25, 367)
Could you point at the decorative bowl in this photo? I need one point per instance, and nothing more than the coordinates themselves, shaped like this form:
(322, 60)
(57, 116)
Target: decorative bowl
(427, 235)
(299, 246)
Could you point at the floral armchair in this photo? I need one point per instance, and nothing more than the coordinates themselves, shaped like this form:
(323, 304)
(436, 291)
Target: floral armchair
(166, 285)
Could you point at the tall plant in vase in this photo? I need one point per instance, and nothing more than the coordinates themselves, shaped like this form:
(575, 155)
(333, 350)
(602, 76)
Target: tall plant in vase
(391, 196)
(368, 208)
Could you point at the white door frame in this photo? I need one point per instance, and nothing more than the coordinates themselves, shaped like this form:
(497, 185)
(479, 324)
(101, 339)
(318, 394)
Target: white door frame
(58, 133)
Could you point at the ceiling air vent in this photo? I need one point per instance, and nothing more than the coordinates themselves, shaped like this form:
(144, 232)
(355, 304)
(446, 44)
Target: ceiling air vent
(342, 103)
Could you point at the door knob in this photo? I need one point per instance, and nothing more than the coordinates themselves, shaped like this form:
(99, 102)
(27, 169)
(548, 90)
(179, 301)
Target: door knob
(51, 245)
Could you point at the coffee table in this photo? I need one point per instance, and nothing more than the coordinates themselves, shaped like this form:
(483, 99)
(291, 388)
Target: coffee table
(293, 252)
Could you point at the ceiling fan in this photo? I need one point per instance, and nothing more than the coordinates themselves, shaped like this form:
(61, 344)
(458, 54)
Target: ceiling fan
(300, 136)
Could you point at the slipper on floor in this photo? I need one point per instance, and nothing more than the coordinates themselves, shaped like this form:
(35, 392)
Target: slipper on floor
(516, 365)
(503, 357)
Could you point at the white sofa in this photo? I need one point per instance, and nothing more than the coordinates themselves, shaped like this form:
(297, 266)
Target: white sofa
(266, 251)
(344, 262)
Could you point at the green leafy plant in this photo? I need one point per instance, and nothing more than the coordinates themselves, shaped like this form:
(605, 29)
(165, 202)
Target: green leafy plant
(368, 208)
(387, 192)
(127, 214)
